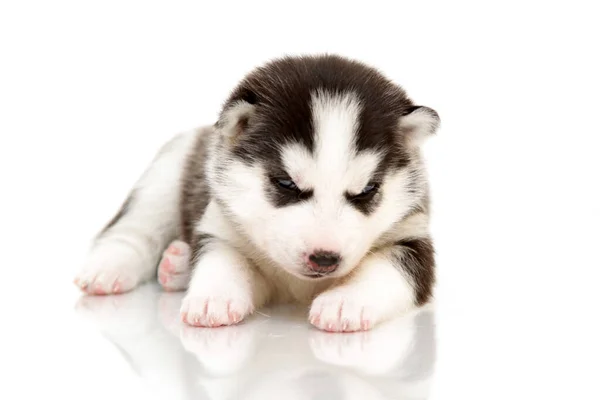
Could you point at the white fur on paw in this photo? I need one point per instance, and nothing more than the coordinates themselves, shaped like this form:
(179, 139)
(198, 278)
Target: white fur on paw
(174, 267)
(111, 267)
(213, 311)
(341, 310)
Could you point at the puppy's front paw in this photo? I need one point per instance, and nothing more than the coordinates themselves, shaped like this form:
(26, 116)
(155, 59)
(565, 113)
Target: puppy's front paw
(341, 310)
(215, 310)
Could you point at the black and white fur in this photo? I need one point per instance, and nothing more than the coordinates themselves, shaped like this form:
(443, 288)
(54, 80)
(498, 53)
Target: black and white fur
(309, 188)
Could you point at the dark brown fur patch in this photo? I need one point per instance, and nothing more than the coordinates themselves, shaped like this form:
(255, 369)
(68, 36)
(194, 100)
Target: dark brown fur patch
(199, 246)
(195, 193)
(416, 257)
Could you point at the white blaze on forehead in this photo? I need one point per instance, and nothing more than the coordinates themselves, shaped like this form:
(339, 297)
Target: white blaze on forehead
(335, 166)
(335, 122)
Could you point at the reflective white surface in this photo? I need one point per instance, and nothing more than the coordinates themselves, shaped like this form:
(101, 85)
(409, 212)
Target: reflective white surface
(274, 354)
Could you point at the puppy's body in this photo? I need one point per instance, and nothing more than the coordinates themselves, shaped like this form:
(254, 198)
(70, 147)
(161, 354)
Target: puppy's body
(309, 188)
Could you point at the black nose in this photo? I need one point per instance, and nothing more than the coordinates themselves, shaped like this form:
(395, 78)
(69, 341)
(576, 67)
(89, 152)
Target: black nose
(324, 261)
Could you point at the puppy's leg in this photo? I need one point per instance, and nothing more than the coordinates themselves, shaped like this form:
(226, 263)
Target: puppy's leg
(390, 282)
(225, 286)
(126, 252)
(224, 289)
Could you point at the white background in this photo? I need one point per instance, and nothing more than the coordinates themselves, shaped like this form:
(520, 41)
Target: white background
(90, 90)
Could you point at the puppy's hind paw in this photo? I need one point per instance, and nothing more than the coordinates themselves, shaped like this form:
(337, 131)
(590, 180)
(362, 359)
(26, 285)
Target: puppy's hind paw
(111, 268)
(174, 267)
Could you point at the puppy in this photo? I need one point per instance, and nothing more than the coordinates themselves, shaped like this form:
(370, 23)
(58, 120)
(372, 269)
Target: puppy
(309, 188)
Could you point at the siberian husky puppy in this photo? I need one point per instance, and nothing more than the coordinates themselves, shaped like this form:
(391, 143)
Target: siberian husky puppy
(309, 188)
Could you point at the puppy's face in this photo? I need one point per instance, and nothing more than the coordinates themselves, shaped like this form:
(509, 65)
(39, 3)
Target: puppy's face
(316, 158)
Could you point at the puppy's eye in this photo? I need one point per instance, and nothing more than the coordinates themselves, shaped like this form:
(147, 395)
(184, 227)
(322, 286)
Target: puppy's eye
(370, 188)
(286, 184)
(367, 193)
(284, 191)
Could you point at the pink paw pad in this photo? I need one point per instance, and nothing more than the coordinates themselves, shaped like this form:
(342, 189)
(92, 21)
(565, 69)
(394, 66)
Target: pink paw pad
(116, 287)
(164, 279)
(173, 269)
(97, 289)
(81, 285)
(173, 249)
(234, 317)
(167, 265)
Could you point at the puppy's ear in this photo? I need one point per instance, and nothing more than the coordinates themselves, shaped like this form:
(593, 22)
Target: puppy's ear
(237, 114)
(418, 123)
(234, 119)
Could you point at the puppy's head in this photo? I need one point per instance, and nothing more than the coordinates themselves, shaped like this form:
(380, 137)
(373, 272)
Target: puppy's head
(315, 158)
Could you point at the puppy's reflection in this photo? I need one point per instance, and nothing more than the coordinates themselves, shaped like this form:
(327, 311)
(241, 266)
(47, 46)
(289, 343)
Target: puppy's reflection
(138, 324)
(272, 355)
